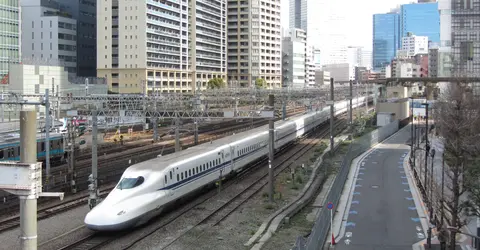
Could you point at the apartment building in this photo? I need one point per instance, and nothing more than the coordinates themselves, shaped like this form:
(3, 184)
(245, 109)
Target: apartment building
(185, 44)
(10, 35)
(254, 42)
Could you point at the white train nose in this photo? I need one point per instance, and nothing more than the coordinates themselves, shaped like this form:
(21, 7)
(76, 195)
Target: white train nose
(102, 219)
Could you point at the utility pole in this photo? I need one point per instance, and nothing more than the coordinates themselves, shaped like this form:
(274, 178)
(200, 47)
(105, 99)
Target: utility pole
(331, 103)
(47, 139)
(271, 127)
(350, 111)
(93, 178)
(427, 149)
(177, 134)
(28, 203)
(71, 157)
(155, 119)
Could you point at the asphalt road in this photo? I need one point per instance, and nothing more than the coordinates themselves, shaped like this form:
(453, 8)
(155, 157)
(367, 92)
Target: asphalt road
(382, 214)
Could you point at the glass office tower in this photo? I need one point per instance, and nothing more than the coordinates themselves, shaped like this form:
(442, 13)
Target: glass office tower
(386, 39)
(421, 19)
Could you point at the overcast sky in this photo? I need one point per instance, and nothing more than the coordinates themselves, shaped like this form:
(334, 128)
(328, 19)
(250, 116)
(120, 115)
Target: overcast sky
(359, 16)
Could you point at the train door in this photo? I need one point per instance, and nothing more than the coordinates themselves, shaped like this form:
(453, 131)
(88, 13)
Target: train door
(172, 179)
(232, 156)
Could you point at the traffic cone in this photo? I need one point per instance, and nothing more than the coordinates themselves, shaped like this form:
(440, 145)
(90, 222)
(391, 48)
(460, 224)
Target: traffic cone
(333, 239)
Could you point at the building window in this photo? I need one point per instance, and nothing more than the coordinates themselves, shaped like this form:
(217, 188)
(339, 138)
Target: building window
(33, 25)
(50, 23)
(33, 47)
(33, 35)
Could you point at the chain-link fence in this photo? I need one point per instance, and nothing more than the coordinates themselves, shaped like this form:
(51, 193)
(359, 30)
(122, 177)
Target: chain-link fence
(320, 229)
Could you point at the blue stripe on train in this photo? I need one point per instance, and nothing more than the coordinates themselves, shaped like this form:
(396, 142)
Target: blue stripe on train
(18, 143)
(225, 164)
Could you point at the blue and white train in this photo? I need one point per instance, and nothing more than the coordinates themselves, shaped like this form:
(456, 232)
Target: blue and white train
(147, 188)
(10, 146)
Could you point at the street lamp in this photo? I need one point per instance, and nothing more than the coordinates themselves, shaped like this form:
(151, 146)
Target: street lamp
(427, 144)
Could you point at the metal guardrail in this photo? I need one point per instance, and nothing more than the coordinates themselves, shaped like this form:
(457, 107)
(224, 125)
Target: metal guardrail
(317, 238)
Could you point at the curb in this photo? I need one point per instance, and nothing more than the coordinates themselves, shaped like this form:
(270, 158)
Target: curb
(272, 223)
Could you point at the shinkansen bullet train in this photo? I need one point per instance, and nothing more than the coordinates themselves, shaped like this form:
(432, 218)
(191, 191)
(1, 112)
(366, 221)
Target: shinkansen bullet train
(147, 188)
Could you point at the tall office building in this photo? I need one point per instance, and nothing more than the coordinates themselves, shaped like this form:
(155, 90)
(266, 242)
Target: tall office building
(465, 18)
(254, 42)
(421, 19)
(85, 13)
(386, 39)
(298, 15)
(49, 34)
(166, 46)
(10, 52)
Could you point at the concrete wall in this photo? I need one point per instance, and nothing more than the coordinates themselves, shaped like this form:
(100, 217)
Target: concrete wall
(399, 108)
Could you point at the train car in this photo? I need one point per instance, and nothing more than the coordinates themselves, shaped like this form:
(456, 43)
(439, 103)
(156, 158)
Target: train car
(10, 146)
(148, 188)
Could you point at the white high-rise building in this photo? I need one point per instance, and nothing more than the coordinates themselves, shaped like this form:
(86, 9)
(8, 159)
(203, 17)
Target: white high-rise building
(49, 37)
(254, 42)
(161, 46)
(309, 66)
(414, 45)
(293, 59)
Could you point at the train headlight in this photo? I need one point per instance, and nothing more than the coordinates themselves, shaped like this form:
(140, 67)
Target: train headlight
(121, 212)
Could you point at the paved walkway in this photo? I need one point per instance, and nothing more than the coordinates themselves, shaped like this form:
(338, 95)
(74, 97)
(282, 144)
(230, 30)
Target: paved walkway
(382, 209)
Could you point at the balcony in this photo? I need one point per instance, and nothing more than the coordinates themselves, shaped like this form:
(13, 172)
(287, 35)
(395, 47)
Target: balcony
(210, 4)
(209, 41)
(211, 19)
(208, 33)
(207, 64)
(210, 26)
(163, 33)
(164, 15)
(164, 24)
(161, 5)
(208, 10)
(165, 51)
(208, 56)
(208, 49)
(176, 44)
(164, 60)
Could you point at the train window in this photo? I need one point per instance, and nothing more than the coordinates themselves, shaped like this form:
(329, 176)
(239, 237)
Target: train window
(178, 177)
(43, 147)
(165, 179)
(197, 169)
(1, 153)
(182, 175)
(189, 172)
(127, 183)
(170, 175)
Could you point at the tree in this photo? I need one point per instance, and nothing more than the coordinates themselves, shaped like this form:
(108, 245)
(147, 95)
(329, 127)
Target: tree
(457, 120)
(260, 83)
(216, 83)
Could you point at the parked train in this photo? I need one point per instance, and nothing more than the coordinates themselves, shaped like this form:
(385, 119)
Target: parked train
(10, 146)
(147, 188)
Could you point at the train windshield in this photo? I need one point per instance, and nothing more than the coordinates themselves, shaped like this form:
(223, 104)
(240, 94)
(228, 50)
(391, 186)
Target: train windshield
(127, 183)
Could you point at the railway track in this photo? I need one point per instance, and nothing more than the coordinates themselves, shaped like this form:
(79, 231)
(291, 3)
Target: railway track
(217, 214)
(48, 211)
